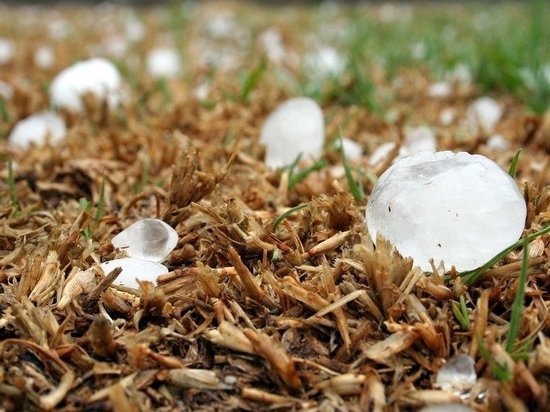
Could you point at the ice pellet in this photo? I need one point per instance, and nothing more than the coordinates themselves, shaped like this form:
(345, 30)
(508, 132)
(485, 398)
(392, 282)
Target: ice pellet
(461, 209)
(147, 239)
(133, 269)
(295, 127)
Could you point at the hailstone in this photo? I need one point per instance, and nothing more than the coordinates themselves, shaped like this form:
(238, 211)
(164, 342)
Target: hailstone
(457, 375)
(295, 127)
(352, 149)
(325, 62)
(459, 208)
(164, 62)
(484, 113)
(133, 269)
(36, 128)
(97, 76)
(147, 239)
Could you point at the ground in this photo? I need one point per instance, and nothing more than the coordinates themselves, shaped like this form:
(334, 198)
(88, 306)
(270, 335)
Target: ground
(276, 297)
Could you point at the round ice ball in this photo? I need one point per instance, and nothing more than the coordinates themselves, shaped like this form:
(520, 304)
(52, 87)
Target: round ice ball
(461, 209)
(97, 76)
(295, 127)
(147, 239)
(36, 128)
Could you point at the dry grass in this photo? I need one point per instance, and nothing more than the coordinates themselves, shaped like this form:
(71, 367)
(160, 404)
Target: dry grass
(308, 316)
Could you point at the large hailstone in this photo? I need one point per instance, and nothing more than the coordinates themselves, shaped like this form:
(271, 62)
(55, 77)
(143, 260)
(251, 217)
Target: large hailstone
(164, 62)
(133, 269)
(295, 127)
(147, 239)
(36, 128)
(97, 76)
(458, 208)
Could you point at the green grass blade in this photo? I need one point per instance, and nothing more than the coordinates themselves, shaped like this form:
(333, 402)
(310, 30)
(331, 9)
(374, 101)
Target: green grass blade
(296, 177)
(286, 214)
(252, 80)
(100, 202)
(472, 276)
(513, 164)
(4, 111)
(517, 306)
(355, 188)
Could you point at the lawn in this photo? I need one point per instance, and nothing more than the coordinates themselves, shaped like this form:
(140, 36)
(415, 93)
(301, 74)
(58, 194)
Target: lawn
(275, 296)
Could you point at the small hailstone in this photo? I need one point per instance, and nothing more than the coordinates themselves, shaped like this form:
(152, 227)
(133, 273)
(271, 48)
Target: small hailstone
(439, 90)
(461, 73)
(221, 26)
(164, 62)
(485, 113)
(352, 149)
(134, 29)
(202, 91)
(97, 76)
(58, 28)
(325, 62)
(417, 139)
(133, 269)
(36, 128)
(44, 57)
(295, 127)
(147, 239)
(6, 90)
(115, 45)
(446, 116)
(419, 50)
(272, 42)
(457, 375)
(380, 153)
(7, 50)
(458, 208)
(497, 143)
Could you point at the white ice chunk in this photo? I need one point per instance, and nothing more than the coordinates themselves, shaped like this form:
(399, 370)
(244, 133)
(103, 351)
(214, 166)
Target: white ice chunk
(417, 140)
(484, 113)
(439, 90)
(44, 57)
(164, 62)
(447, 116)
(460, 73)
(497, 143)
(458, 208)
(352, 149)
(36, 128)
(295, 127)
(134, 29)
(380, 153)
(272, 43)
(457, 375)
(325, 62)
(6, 90)
(97, 76)
(419, 50)
(147, 239)
(7, 50)
(133, 269)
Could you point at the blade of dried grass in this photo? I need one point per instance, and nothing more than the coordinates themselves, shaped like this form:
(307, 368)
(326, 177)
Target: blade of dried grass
(276, 356)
